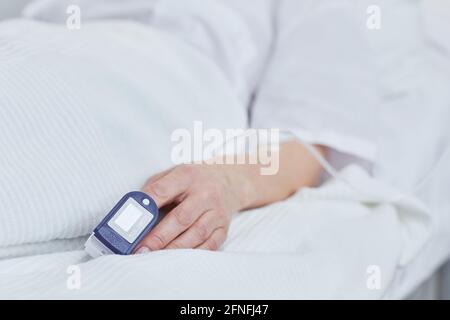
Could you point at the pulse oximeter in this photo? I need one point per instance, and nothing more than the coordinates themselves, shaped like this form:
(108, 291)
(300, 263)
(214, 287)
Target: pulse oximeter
(124, 227)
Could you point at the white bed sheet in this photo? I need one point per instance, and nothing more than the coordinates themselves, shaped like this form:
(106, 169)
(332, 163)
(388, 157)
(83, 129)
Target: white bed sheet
(436, 23)
(318, 244)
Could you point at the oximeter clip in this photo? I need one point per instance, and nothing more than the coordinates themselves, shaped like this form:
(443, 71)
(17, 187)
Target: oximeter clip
(132, 218)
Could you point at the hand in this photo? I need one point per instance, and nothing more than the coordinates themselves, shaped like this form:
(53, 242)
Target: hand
(204, 196)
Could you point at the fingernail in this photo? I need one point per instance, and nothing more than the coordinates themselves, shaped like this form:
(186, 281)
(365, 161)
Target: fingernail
(143, 250)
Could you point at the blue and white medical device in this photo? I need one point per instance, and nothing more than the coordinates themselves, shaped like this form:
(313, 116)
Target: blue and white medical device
(124, 227)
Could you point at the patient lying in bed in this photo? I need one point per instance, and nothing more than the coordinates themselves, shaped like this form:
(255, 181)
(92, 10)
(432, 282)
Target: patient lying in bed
(203, 197)
(88, 115)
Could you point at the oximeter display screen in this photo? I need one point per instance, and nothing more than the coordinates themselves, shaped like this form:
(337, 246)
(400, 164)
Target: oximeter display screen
(130, 220)
(128, 217)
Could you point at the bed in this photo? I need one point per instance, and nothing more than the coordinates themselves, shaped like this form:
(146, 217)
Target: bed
(62, 139)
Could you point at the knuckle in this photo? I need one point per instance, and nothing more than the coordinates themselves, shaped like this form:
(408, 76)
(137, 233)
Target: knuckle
(156, 188)
(212, 244)
(221, 214)
(188, 170)
(201, 232)
(216, 195)
(214, 189)
(204, 195)
(148, 188)
(157, 241)
(185, 173)
(211, 194)
(216, 241)
(182, 218)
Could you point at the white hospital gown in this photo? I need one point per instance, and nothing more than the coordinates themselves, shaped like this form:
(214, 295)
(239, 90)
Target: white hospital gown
(314, 68)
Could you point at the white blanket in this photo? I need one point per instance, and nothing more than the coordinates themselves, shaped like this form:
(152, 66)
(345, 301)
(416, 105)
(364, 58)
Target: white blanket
(86, 117)
(319, 244)
(71, 104)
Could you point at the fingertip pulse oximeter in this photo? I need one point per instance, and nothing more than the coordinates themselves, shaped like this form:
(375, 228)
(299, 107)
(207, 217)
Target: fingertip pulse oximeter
(132, 218)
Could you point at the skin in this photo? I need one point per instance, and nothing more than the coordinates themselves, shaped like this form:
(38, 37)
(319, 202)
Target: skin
(204, 197)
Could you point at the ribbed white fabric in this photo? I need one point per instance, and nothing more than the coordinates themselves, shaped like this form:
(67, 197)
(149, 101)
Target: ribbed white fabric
(70, 148)
(318, 244)
(79, 127)
(220, 29)
(42, 247)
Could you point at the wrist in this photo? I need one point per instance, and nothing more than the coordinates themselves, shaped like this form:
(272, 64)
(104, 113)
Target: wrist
(250, 190)
(241, 186)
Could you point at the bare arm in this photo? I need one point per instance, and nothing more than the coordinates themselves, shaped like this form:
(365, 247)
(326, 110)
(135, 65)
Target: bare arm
(204, 197)
(298, 168)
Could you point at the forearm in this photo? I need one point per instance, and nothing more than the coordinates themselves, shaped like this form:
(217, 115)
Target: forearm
(204, 196)
(297, 169)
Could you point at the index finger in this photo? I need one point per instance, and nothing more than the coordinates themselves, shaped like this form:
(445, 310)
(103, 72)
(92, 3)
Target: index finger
(174, 223)
(167, 188)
